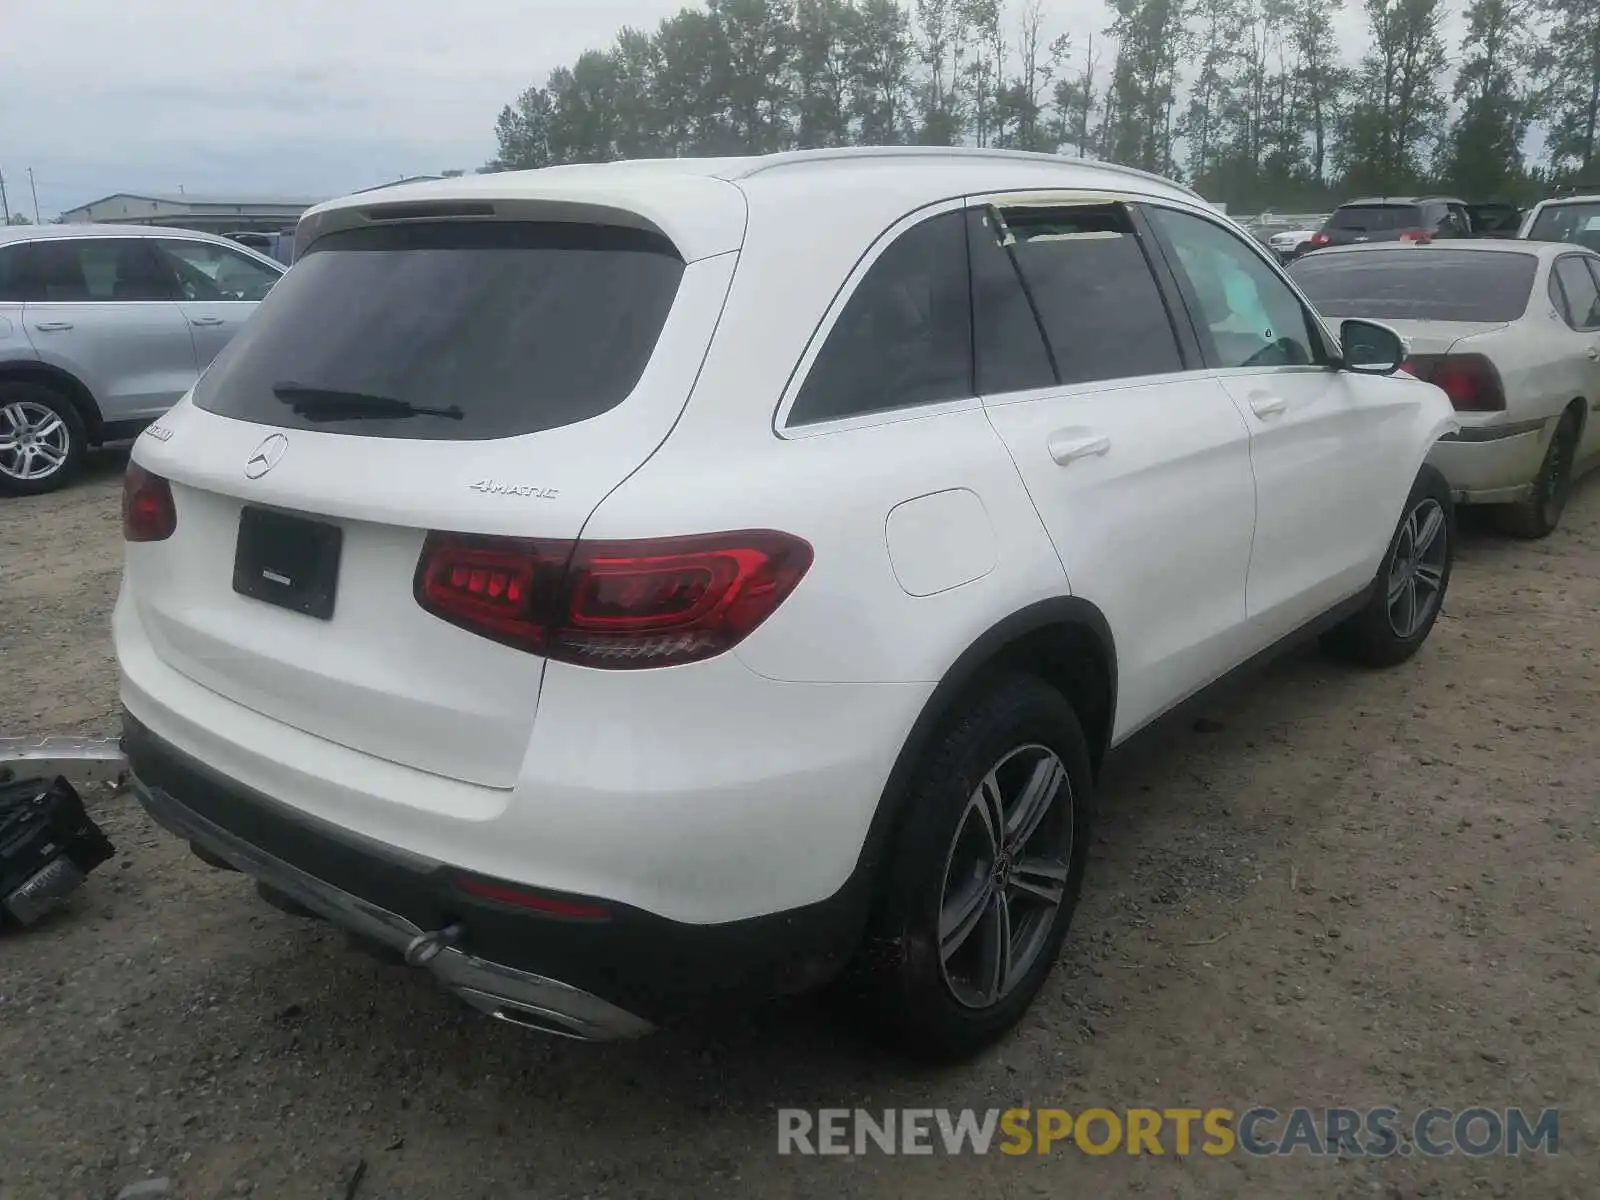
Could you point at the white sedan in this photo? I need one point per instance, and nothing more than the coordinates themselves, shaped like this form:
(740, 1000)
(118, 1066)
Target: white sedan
(1510, 330)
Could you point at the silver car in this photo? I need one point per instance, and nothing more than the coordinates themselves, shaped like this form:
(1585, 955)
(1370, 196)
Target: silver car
(102, 329)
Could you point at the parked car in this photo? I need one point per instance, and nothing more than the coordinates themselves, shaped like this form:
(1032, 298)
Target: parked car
(278, 246)
(1394, 219)
(1289, 244)
(1571, 219)
(1511, 332)
(627, 587)
(1494, 219)
(102, 329)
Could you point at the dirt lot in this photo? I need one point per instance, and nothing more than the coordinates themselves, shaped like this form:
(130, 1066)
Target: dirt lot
(1338, 889)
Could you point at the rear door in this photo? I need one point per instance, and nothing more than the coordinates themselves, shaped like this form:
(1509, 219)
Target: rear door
(1137, 460)
(1328, 447)
(218, 290)
(104, 310)
(1575, 290)
(477, 378)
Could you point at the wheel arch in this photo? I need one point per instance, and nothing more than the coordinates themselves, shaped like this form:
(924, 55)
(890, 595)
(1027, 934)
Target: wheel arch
(1065, 641)
(68, 384)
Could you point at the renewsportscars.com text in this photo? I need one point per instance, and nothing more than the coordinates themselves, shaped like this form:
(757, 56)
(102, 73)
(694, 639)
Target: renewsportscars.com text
(1349, 1132)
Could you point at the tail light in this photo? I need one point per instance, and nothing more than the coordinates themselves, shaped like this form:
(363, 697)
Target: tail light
(1419, 236)
(1470, 380)
(617, 605)
(1319, 239)
(148, 514)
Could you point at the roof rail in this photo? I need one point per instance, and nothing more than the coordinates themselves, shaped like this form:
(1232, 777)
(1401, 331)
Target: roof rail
(794, 158)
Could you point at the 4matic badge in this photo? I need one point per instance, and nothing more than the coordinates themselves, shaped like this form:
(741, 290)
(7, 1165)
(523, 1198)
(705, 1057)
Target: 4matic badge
(495, 487)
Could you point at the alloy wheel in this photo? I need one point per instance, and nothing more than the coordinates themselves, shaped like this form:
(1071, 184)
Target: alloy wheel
(1005, 876)
(34, 441)
(1416, 576)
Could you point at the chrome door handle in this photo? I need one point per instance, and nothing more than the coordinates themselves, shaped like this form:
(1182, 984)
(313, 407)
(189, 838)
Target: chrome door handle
(1066, 447)
(1594, 353)
(52, 326)
(1268, 406)
(206, 321)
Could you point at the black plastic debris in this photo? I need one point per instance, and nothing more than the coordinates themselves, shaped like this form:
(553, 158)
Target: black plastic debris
(48, 846)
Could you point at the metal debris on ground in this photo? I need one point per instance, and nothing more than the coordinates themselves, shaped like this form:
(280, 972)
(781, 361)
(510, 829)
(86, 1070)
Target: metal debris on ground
(83, 760)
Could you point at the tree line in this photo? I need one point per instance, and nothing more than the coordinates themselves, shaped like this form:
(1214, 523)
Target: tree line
(1252, 102)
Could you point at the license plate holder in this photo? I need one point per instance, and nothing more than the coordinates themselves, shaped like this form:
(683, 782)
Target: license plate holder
(288, 561)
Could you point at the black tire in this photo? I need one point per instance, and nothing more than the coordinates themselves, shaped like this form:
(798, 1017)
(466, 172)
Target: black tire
(1538, 515)
(1378, 635)
(33, 399)
(1009, 724)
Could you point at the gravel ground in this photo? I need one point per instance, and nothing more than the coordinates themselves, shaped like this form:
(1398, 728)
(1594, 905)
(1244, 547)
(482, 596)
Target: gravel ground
(1336, 889)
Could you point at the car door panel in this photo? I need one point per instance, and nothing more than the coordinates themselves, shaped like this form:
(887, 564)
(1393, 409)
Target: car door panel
(95, 309)
(219, 290)
(1141, 476)
(1589, 446)
(1151, 513)
(1326, 462)
(1326, 446)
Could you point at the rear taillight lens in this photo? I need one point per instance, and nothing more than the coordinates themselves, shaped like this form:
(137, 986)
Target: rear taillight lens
(618, 605)
(1415, 235)
(1470, 380)
(1319, 239)
(148, 514)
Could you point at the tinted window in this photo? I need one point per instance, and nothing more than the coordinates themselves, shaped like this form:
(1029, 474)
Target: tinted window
(1247, 316)
(1376, 218)
(210, 272)
(1493, 218)
(1434, 284)
(1576, 223)
(1097, 299)
(69, 270)
(11, 273)
(519, 327)
(1580, 300)
(1009, 346)
(905, 335)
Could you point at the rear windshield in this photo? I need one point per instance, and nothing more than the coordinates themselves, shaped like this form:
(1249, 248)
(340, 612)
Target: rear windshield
(451, 331)
(1418, 285)
(1576, 223)
(1375, 218)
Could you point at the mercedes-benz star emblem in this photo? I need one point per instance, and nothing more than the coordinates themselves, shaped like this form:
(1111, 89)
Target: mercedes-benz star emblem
(266, 457)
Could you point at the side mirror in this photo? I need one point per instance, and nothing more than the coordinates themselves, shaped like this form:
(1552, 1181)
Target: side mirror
(1370, 349)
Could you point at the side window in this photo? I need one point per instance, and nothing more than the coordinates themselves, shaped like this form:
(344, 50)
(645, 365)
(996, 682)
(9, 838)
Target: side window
(12, 290)
(78, 270)
(208, 272)
(1246, 314)
(1097, 299)
(905, 335)
(1008, 343)
(1579, 295)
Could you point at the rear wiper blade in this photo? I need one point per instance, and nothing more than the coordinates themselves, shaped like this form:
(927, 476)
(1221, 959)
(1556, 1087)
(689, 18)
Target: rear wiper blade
(336, 404)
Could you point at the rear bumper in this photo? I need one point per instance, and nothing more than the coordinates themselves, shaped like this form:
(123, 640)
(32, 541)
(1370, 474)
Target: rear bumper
(593, 979)
(1492, 464)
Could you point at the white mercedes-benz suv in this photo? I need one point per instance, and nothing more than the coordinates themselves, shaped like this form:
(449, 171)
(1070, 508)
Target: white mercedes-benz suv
(623, 589)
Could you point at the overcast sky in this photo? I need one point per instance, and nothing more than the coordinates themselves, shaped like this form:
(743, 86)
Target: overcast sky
(297, 98)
